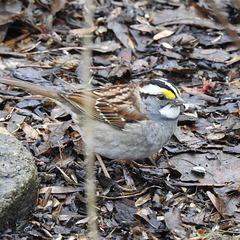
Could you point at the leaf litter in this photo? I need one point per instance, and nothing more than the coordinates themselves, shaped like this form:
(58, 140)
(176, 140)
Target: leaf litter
(190, 190)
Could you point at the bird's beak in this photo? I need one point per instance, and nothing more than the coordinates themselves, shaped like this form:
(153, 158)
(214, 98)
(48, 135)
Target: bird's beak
(180, 100)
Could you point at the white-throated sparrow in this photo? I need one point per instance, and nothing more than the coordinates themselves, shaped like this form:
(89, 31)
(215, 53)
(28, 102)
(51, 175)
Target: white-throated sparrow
(131, 121)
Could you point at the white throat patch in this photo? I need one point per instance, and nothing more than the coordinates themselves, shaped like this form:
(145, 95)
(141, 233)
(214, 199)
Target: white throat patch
(171, 112)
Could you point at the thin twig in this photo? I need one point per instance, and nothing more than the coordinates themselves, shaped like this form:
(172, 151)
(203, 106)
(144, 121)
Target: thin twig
(88, 127)
(102, 165)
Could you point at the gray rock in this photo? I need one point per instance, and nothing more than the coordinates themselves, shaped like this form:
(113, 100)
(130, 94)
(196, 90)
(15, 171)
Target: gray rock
(18, 180)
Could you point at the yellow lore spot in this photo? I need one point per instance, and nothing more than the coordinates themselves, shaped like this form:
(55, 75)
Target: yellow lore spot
(168, 94)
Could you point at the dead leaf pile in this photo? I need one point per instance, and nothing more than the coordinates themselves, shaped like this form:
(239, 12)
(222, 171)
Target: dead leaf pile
(191, 189)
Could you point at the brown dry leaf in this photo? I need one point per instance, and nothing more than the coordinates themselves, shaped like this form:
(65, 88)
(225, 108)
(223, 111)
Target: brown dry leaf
(43, 202)
(173, 65)
(7, 17)
(174, 222)
(82, 221)
(122, 33)
(230, 197)
(62, 161)
(104, 47)
(57, 5)
(101, 29)
(219, 167)
(143, 28)
(146, 215)
(218, 204)
(81, 32)
(235, 149)
(185, 135)
(142, 213)
(200, 94)
(120, 30)
(30, 132)
(235, 83)
(233, 60)
(115, 12)
(124, 210)
(66, 177)
(125, 54)
(213, 55)
(139, 65)
(141, 233)
(215, 136)
(68, 61)
(11, 43)
(130, 42)
(56, 211)
(192, 91)
(163, 34)
(129, 180)
(27, 45)
(15, 122)
(55, 202)
(57, 136)
(59, 190)
(187, 16)
(143, 199)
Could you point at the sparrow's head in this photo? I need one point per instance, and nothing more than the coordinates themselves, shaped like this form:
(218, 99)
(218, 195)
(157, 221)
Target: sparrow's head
(164, 94)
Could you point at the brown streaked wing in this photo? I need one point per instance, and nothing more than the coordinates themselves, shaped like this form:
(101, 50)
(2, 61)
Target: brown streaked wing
(113, 105)
(77, 99)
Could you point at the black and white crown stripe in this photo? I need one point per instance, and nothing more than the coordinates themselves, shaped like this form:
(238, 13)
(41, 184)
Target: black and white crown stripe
(156, 86)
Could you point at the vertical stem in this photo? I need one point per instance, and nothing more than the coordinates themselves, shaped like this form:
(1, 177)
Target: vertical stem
(88, 129)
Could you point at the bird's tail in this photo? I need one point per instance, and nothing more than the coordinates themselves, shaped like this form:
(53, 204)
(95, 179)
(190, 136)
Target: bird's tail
(31, 87)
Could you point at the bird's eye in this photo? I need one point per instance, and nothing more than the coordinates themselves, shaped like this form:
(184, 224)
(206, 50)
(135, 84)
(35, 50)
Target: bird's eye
(161, 97)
